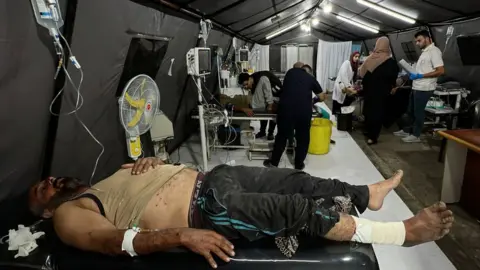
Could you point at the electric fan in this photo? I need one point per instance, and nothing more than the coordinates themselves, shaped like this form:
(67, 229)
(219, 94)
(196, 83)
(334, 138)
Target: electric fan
(138, 105)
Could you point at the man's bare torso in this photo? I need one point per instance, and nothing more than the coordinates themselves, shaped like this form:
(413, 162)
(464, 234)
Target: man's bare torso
(168, 208)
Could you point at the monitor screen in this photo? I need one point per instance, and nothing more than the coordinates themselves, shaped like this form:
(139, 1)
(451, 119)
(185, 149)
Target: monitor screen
(468, 47)
(243, 55)
(204, 61)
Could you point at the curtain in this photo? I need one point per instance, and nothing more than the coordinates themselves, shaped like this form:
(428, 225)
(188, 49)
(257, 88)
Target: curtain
(289, 57)
(305, 55)
(330, 56)
(260, 57)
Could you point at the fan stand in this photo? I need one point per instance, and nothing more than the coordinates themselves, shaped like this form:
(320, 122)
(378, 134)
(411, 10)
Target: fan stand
(201, 119)
(134, 147)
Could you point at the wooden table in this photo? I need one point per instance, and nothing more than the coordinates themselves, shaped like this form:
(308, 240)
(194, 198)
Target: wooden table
(461, 179)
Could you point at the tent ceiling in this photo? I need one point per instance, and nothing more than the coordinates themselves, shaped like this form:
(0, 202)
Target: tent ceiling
(253, 18)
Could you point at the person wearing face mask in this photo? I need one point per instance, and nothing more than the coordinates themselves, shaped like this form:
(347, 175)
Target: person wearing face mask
(379, 73)
(343, 89)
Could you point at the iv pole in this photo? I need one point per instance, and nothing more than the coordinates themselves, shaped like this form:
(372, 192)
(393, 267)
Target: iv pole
(201, 120)
(205, 27)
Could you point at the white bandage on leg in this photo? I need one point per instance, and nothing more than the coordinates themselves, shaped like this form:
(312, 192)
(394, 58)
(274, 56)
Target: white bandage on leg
(372, 232)
(127, 244)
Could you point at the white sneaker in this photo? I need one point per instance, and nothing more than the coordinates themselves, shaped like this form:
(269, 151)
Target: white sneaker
(401, 133)
(411, 139)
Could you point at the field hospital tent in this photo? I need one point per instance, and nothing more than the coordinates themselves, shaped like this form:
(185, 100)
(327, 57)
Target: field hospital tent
(114, 38)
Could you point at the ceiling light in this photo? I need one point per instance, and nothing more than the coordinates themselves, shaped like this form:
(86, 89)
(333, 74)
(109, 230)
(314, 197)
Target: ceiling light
(327, 8)
(387, 11)
(315, 22)
(283, 30)
(361, 25)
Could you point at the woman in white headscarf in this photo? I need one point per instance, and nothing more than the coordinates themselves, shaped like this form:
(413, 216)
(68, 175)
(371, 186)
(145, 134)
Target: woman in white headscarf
(379, 72)
(343, 88)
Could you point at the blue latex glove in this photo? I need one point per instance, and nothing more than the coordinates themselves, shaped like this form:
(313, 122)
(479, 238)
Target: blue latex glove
(416, 76)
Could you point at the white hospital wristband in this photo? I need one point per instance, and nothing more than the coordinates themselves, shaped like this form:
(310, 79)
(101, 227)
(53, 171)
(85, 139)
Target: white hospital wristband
(372, 232)
(127, 244)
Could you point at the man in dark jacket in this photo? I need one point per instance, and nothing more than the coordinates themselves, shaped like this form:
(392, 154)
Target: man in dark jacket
(264, 86)
(294, 113)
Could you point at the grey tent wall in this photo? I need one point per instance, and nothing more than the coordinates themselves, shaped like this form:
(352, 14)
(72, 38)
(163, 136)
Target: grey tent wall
(397, 39)
(26, 86)
(100, 43)
(468, 76)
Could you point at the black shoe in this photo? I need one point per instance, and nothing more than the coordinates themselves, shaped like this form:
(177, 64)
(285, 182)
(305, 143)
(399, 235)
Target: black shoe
(300, 168)
(270, 137)
(268, 163)
(260, 135)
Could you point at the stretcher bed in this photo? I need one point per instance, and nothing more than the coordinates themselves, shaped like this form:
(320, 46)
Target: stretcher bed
(255, 149)
(312, 254)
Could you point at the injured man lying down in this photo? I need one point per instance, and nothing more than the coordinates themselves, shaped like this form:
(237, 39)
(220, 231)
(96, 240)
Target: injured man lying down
(149, 206)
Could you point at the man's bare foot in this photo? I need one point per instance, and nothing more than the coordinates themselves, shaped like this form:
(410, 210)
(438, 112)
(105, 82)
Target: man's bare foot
(430, 224)
(379, 191)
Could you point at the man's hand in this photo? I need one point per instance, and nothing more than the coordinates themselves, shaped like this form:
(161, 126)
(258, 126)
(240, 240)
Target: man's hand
(248, 111)
(204, 242)
(142, 165)
(394, 91)
(415, 76)
(270, 108)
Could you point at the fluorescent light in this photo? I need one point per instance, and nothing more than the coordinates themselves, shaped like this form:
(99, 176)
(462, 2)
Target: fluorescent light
(387, 11)
(315, 22)
(327, 8)
(361, 25)
(278, 32)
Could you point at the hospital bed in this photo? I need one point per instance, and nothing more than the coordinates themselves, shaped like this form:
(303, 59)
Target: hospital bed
(252, 146)
(312, 254)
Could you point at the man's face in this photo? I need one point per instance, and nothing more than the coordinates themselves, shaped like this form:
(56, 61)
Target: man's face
(248, 84)
(422, 42)
(40, 195)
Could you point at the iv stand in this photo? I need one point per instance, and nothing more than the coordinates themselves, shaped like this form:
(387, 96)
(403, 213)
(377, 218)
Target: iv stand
(201, 119)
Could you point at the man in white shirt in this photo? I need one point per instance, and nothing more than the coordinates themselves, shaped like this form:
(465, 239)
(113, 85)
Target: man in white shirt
(429, 67)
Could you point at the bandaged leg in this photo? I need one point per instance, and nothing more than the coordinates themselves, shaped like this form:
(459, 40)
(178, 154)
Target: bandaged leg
(372, 232)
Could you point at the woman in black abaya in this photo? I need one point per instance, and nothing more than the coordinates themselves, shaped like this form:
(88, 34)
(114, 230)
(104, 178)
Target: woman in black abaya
(379, 74)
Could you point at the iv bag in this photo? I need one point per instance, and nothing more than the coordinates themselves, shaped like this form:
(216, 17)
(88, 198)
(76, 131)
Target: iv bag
(44, 14)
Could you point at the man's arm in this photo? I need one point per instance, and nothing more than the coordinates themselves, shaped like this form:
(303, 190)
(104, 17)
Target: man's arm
(437, 63)
(439, 71)
(318, 91)
(90, 231)
(266, 88)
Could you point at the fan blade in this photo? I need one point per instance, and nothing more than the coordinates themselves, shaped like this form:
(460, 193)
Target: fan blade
(139, 104)
(135, 119)
(143, 86)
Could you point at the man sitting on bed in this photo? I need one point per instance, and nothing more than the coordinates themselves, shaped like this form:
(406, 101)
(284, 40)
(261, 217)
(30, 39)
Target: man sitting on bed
(148, 207)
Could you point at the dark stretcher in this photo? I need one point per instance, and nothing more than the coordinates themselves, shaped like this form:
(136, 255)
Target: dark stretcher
(263, 254)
